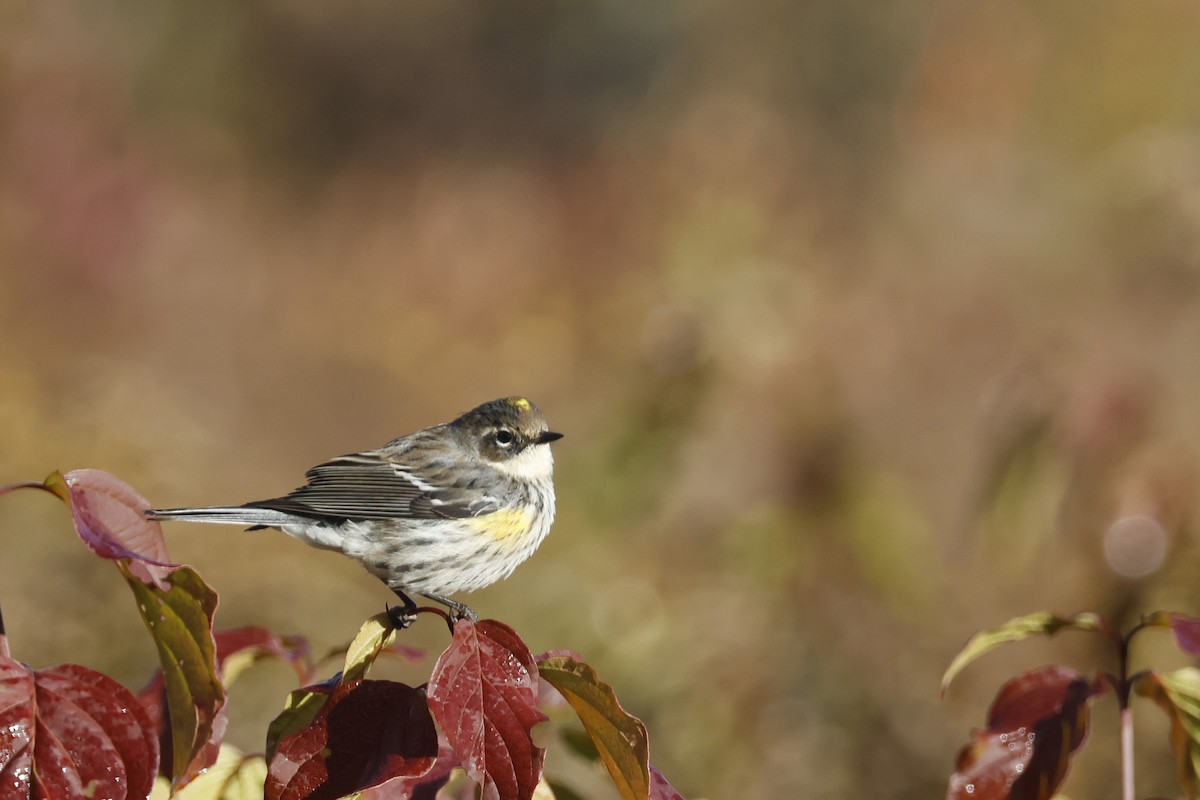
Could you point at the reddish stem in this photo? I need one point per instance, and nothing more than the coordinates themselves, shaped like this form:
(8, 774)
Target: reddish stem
(23, 485)
(1124, 686)
(413, 612)
(1126, 754)
(440, 612)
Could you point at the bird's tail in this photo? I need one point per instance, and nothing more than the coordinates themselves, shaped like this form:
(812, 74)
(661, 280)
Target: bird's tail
(225, 515)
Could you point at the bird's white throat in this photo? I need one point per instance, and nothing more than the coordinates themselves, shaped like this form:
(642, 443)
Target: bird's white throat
(533, 464)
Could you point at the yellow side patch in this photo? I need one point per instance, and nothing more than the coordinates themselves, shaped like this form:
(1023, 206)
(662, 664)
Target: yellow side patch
(507, 527)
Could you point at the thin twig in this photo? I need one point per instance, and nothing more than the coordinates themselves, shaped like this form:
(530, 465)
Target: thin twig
(1126, 754)
(23, 485)
(1123, 687)
(450, 620)
(3, 639)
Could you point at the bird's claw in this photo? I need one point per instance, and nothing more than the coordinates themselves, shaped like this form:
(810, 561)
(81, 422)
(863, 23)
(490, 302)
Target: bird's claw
(402, 616)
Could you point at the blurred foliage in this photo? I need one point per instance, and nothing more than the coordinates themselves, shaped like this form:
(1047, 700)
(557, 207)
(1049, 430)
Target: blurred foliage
(865, 324)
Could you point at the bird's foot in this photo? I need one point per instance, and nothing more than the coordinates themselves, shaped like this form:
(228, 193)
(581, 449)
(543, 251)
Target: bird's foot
(403, 615)
(457, 610)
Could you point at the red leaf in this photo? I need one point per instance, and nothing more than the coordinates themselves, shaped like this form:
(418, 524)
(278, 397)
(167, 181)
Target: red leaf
(561, 651)
(69, 732)
(660, 789)
(238, 647)
(109, 518)
(404, 652)
(116, 710)
(1187, 632)
(1037, 720)
(16, 728)
(364, 735)
(419, 787)
(483, 694)
(153, 699)
(301, 708)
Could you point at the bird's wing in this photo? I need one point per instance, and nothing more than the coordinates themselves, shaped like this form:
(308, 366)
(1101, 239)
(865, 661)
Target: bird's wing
(371, 486)
(456, 502)
(358, 486)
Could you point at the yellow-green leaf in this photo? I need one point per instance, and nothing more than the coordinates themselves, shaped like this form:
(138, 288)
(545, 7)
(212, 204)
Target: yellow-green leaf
(180, 619)
(234, 776)
(543, 791)
(619, 736)
(1178, 694)
(56, 484)
(375, 635)
(1042, 622)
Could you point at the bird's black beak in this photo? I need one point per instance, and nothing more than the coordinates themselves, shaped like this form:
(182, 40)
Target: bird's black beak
(546, 437)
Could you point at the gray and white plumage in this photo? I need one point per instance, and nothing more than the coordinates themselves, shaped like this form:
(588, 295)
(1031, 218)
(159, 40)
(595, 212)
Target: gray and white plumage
(447, 509)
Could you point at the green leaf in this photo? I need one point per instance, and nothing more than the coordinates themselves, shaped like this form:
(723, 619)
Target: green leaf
(1178, 694)
(1016, 629)
(619, 736)
(180, 619)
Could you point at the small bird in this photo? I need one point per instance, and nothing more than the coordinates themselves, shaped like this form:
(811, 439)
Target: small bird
(448, 509)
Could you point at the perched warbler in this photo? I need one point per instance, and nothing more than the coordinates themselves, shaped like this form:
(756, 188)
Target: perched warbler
(451, 508)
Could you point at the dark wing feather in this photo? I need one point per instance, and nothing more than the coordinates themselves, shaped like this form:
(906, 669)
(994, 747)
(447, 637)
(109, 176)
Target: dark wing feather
(360, 486)
(456, 503)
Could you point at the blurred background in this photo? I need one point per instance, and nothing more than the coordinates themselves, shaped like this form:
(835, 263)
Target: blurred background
(868, 325)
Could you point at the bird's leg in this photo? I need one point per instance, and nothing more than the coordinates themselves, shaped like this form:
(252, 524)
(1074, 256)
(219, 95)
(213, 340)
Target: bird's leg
(402, 616)
(457, 610)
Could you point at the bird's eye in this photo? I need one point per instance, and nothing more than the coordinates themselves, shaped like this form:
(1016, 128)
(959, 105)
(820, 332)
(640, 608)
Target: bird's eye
(504, 437)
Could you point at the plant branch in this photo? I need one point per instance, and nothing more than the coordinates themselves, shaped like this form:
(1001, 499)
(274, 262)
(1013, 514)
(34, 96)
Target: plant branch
(3, 639)
(23, 485)
(440, 612)
(1124, 686)
(1126, 754)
